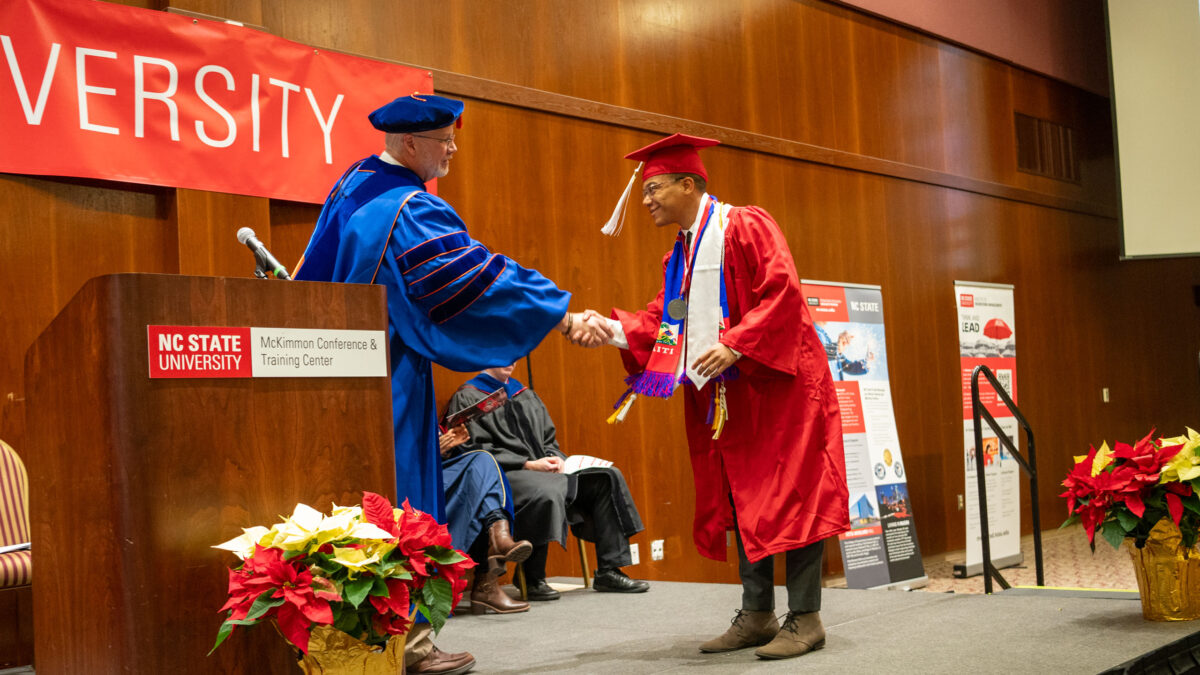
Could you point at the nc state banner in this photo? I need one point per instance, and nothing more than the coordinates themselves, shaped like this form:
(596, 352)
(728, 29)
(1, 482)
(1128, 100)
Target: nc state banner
(881, 548)
(97, 90)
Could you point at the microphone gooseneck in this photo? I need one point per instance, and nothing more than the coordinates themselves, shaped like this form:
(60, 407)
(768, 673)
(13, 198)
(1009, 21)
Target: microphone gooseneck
(262, 256)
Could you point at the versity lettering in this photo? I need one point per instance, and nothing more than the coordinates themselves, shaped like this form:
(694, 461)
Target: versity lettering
(166, 96)
(102, 90)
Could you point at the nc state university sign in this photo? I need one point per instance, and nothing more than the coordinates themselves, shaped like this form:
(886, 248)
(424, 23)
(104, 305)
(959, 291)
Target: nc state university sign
(97, 90)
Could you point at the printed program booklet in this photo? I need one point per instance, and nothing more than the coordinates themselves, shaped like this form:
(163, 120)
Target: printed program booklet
(484, 406)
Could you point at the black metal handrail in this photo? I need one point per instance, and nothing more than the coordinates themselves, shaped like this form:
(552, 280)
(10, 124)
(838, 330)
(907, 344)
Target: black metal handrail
(1030, 467)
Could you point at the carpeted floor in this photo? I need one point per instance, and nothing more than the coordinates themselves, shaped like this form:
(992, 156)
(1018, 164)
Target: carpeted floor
(867, 631)
(947, 627)
(1067, 562)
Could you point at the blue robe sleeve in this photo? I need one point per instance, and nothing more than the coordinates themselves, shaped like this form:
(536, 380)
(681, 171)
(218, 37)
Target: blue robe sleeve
(454, 301)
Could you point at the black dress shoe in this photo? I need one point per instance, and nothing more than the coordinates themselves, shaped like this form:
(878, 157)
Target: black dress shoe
(541, 591)
(615, 581)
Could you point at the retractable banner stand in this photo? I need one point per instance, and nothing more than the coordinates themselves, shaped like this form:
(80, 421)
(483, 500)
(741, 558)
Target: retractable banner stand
(99, 90)
(881, 549)
(986, 336)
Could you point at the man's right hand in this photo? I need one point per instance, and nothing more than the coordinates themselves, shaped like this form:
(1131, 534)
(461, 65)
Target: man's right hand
(586, 329)
(547, 464)
(599, 325)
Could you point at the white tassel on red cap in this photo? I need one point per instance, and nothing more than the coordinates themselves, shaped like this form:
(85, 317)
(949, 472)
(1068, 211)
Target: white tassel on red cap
(613, 227)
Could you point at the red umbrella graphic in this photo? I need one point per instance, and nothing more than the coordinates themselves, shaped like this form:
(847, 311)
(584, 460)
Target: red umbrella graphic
(997, 329)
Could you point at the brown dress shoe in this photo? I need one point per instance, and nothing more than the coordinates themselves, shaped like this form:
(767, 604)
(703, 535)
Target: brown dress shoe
(487, 594)
(748, 629)
(801, 634)
(501, 547)
(439, 662)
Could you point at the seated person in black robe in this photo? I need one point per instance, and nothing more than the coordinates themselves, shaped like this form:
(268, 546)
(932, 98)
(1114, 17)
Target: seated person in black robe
(595, 502)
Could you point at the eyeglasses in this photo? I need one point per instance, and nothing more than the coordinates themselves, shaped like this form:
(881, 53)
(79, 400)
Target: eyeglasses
(444, 141)
(650, 190)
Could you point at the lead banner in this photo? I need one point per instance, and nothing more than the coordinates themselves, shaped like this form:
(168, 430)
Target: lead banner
(99, 90)
(881, 548)
(987, 337)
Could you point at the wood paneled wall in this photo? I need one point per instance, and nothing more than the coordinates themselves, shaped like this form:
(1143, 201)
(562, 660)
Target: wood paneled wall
(887, 157)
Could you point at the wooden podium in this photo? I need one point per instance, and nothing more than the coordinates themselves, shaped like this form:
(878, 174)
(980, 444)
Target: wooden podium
(133, 480)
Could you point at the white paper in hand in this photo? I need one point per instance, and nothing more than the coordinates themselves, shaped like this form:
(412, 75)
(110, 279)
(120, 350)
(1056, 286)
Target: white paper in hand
(576, 463)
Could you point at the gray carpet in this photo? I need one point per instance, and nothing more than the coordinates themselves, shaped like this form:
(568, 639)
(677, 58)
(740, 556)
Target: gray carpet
(867, 631)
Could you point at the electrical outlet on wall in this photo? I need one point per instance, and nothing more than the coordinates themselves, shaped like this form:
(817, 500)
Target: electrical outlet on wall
(633, 553)
(656, 549)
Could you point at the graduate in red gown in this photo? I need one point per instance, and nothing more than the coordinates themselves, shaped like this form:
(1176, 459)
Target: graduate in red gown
(730, 332)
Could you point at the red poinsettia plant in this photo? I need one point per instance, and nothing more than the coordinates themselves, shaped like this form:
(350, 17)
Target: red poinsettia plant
(1125, 491)
(366, 571)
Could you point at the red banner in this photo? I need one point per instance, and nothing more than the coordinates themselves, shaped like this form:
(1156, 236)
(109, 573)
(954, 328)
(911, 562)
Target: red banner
(98, 90)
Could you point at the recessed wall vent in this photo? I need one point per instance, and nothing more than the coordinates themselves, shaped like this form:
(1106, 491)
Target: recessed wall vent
(1046, 148)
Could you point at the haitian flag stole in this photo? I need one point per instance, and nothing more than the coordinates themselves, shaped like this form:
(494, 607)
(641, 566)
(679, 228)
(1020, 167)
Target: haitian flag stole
(660, 375)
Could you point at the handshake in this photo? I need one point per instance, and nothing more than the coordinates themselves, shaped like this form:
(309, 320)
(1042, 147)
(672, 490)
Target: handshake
(586, 329)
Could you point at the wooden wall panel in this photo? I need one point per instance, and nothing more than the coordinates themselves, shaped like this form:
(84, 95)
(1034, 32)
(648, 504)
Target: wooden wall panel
(803, 70)
(291, 226)
(207, 224)
(888, 158)
(54, 236)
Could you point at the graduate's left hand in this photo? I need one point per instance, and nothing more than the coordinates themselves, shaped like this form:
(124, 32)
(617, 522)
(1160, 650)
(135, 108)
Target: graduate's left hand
(714, 361)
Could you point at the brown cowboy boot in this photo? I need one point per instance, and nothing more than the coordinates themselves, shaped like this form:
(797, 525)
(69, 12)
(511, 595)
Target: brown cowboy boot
(438, 662)
(486, 594)
(501, 547)
(748, 629)
(801, 634)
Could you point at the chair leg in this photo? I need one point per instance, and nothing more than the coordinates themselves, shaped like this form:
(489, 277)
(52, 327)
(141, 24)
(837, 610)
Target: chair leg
(583, 561)
(521, 582)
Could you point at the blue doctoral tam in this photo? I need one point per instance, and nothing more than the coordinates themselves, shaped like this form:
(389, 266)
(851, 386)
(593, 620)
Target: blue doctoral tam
(418, 112)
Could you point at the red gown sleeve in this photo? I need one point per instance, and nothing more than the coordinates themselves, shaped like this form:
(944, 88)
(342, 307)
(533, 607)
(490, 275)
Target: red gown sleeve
(641, 330)
(765, 298)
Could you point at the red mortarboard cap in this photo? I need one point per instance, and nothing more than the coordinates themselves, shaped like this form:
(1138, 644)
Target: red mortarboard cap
(674, 154)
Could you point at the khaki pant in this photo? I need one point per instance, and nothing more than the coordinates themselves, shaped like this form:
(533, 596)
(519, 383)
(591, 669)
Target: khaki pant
(418, 645)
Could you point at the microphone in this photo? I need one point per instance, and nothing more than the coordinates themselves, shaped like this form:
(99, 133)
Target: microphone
(261, 254)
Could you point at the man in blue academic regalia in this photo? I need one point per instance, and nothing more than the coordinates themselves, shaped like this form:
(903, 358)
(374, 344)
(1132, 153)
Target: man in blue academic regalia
(450, 300)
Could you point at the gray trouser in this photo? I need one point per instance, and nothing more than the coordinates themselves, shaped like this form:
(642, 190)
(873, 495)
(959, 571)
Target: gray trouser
(803, 579)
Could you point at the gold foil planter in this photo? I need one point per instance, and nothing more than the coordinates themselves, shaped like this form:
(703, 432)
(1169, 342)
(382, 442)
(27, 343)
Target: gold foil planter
(1168, 576)
(333, 652)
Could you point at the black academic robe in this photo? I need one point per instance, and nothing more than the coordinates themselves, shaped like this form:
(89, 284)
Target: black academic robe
(519, 431)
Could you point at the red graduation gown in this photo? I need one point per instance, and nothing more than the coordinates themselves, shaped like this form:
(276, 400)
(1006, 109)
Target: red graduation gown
(780, 455)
